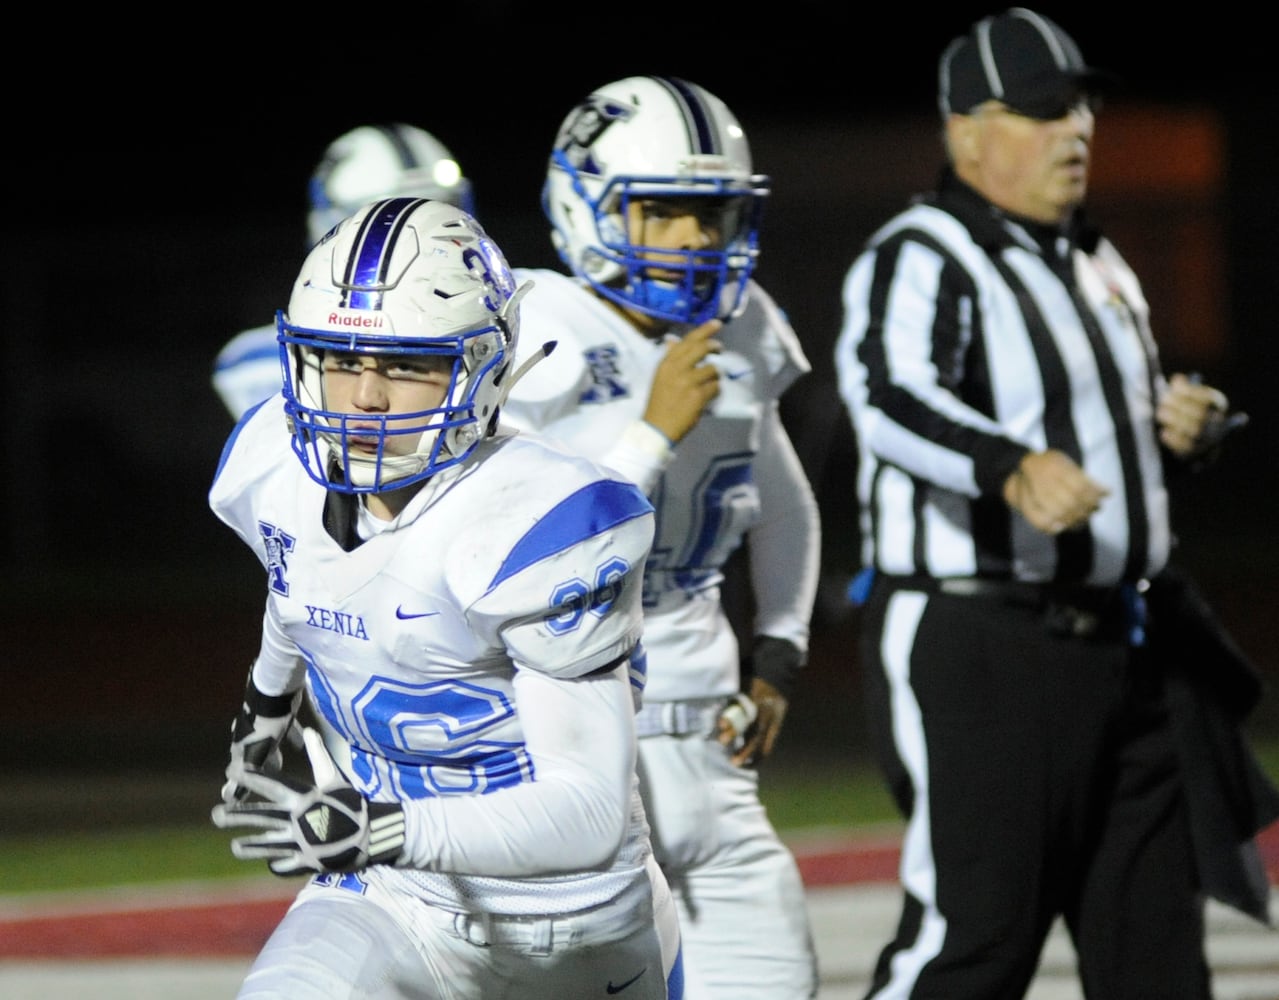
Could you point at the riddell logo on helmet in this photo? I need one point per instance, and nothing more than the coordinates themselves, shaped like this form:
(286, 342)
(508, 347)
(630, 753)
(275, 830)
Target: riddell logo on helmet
(703, 165)
(360, 319)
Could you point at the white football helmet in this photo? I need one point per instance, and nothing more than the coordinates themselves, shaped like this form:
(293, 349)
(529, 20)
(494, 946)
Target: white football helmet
(402, 276)
(654, 137)
(382, 161)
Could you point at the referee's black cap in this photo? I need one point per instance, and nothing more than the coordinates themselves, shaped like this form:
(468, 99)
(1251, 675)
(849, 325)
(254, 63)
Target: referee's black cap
(1020, 58)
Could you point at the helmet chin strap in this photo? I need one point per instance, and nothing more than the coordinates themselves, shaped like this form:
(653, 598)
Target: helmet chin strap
(523, 369)
(542, 352)
(393, 468)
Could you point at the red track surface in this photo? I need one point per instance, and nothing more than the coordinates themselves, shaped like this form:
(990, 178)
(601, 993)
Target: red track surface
(213, 920)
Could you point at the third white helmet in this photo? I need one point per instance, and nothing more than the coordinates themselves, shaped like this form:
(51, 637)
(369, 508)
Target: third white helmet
(648, 137)
(382, 161)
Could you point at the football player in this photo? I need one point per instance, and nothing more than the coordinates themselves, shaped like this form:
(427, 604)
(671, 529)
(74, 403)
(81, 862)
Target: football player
(368, 162)
(460, 608)
(669, 366)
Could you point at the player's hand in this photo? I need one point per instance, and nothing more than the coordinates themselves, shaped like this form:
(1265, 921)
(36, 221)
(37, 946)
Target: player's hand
(1052, 492)
(685, 382)
(264, 723)
(735, 721)
(1186, 415)
(324, 827)
(750, 725)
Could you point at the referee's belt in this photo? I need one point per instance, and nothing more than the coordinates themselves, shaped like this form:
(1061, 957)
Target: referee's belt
(1067, 610)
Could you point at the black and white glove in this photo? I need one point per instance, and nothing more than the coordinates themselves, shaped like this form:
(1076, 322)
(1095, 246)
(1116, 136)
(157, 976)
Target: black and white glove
(324, 827)
(264, 722)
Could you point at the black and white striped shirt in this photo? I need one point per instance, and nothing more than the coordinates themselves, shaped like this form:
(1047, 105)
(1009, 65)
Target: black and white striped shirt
(970, 338)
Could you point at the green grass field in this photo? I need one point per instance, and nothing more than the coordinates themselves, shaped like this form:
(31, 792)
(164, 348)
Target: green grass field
(798, 797)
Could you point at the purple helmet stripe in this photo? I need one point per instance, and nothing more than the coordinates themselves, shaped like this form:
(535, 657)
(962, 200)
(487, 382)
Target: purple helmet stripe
(703, 137)
(366, 267)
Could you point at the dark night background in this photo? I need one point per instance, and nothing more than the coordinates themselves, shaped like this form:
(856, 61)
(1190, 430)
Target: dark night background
(156, 206)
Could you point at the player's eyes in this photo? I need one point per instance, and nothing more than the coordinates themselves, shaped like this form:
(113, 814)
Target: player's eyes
(348, 363)
(431, 369)
(413, 372)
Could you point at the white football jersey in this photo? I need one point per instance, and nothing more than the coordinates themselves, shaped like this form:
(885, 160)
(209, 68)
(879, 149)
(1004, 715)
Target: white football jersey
(413, 639)
(247, 369)
(593, 386)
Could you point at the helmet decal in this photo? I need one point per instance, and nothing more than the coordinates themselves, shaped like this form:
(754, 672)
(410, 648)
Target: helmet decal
(486, 261)
(582, 130)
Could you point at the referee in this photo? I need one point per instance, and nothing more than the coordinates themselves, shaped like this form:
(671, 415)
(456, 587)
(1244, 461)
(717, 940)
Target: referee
(1012, 422)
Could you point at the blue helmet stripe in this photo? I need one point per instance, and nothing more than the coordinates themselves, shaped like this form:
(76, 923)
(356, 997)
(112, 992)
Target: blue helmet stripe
(703, 137)
(368, 264)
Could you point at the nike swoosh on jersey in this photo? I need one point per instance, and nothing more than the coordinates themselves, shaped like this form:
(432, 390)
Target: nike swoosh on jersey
(742, 373)
(611, 989)
(401, 613)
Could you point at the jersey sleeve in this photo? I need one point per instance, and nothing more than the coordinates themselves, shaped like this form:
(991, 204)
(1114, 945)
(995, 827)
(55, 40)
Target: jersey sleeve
(566, 598)
(552, 387)
(785, 543)
(255, 449)
(279, 668)
(247, 369)
(779, 357)
(580, 735)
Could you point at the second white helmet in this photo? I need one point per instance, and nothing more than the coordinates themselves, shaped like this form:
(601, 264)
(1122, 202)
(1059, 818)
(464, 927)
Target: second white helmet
(382, 161)
(648, 137)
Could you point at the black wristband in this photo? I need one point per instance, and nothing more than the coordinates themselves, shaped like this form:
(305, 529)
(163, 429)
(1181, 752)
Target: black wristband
(268, 706)
(778, 662)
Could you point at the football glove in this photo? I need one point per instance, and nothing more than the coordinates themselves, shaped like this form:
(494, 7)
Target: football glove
(324, 827)
(264, 722)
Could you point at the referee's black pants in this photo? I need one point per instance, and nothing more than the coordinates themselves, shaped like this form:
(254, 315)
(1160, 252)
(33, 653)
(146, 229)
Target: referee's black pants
(1038, 777)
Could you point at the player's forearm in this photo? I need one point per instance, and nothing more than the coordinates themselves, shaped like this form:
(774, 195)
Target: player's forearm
(546, 827)
(640, 454)
(785, 544)
(571, 816)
